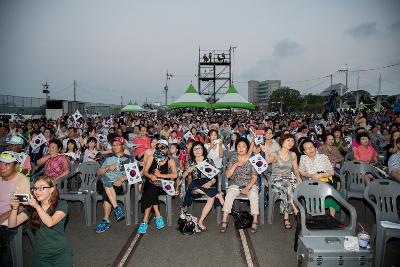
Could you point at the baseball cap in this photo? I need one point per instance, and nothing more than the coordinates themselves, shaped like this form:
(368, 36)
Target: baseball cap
(162, 142)
(16, 140)
(119, 139)
(9, 156)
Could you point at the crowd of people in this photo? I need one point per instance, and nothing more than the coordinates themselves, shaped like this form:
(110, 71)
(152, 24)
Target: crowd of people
(171, 146)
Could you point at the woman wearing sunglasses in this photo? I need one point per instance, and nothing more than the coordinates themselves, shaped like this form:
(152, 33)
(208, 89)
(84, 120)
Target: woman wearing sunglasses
(200, 184)
(47, 215)
(157, 167)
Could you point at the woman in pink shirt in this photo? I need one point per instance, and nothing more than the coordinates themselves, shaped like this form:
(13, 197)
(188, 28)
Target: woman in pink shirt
(365, 153)
(143, 141)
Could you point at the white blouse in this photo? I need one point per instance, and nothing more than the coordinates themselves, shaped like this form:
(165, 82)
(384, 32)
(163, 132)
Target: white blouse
(321, 163)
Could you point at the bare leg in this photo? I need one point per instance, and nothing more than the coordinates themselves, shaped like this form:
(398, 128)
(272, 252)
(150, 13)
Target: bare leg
(206, 209)
(225, 216)
(220, 198)
(146, 215)
(255, 218)
(156, 211)
(107, 210)
(295, 210)
(332, 211)
(112, 196)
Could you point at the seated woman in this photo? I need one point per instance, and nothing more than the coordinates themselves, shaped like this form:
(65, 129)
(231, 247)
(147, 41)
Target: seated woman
(283, 162)
(270, 145)
(317, 166)
(199, 184)
(72, 152)
(47, 214)
(215, 148)
(366, 153)
(91, 153)
(242, 180)
(55, 165)
(391, 148)
(331, 151)
(339, 141)
(159, 166)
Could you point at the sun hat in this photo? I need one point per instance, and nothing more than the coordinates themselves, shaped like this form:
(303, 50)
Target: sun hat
(9, 157)
(16, 140)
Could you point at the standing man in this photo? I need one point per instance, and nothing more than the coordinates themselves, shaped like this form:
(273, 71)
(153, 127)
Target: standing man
(11, 182)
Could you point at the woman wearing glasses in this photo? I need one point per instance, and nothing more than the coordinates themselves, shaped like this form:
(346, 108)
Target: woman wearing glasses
(199, 184)
(157, 167)
(47, 215)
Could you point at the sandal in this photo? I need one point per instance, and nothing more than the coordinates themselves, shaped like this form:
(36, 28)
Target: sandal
(286, 224)
(202, 229)
(254, 227)
(223, 227)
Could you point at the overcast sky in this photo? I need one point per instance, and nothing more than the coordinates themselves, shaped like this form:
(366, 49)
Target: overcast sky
(115, 48)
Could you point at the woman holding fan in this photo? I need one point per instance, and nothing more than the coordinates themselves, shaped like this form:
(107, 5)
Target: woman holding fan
(157, 167)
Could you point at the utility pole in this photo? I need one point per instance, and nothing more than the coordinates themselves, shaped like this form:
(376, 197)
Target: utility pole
(341, 88)
(75, 85)
(169, 75)
(121, 101)
(331, 82)
(281, 103)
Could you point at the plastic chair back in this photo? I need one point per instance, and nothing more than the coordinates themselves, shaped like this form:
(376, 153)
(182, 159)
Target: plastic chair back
(352, 178)
(314, 194)
(382, 195)
(88, 174)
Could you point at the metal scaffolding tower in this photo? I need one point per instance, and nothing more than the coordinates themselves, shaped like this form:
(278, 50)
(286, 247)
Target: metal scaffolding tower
(214, 72)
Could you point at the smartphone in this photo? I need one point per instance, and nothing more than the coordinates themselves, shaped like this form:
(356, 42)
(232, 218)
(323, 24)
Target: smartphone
(22, 197)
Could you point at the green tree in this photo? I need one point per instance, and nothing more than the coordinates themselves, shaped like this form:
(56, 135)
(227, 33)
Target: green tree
(313, 103)
(290, 98)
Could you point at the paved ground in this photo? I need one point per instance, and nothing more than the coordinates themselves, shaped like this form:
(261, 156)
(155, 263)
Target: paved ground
(273, 246)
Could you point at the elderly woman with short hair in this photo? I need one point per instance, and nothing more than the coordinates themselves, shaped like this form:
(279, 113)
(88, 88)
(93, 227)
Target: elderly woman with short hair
(318, 167)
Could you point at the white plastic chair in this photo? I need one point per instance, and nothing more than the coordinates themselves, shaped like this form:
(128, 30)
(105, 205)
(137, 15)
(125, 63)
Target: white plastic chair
(125, 199)
(382, 196)
(86, 175)
(261, 198)
(314, 194)
(352, 178)
(166, 199)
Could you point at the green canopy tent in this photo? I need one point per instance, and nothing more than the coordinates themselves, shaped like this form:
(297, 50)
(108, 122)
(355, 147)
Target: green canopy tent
(132, 108)
(362, 106)
(190, 99)
(345, 106)
(233, 99)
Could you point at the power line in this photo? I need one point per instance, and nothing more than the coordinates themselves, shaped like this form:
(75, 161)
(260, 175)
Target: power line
(377, 68)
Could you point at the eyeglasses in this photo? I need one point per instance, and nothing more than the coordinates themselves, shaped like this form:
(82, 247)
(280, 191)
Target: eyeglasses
(40, 188)
(197, 148)
(162, 147)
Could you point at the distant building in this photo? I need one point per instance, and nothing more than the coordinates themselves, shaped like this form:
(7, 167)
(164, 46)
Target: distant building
(259, 92)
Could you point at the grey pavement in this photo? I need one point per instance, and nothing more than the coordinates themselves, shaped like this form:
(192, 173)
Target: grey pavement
(272, 244)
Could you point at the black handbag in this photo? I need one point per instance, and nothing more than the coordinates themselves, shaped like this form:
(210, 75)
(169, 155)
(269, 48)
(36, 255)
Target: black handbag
(243, 219)
(187, 224)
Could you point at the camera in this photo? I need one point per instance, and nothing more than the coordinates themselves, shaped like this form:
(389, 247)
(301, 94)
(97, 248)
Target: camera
(22, 197)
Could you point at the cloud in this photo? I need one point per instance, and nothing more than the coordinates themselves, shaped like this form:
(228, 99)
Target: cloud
(363, 30)
(287, 48)
(395, 26)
